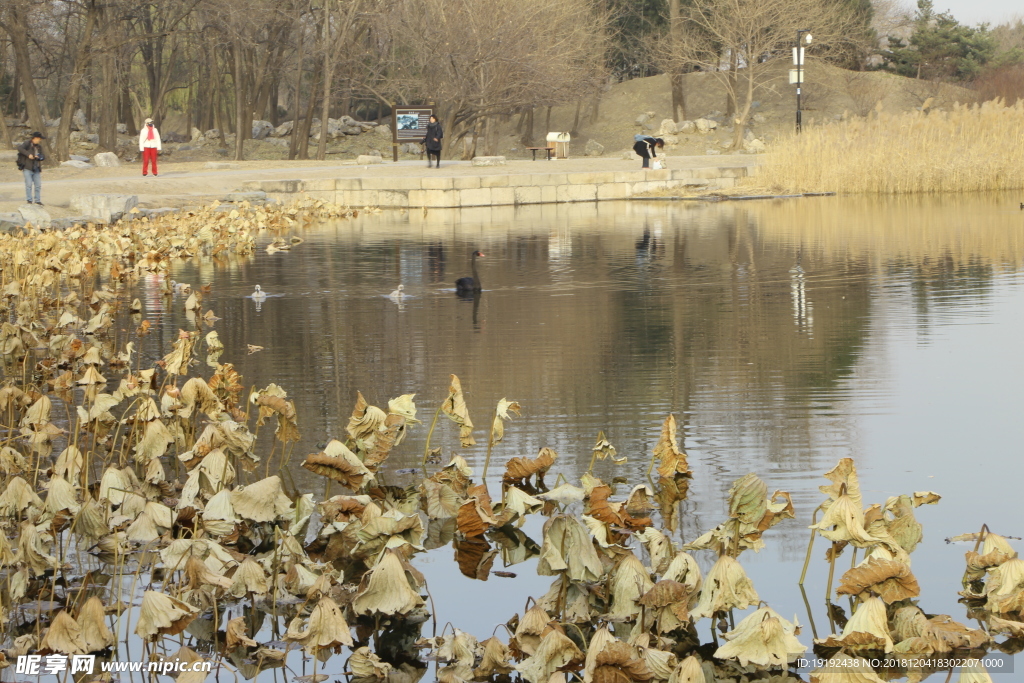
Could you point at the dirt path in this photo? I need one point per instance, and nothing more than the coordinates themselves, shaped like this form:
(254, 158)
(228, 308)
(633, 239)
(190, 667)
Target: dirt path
(182, 184)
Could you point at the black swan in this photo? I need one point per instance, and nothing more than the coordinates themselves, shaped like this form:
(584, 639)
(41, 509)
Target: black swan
(466, 285)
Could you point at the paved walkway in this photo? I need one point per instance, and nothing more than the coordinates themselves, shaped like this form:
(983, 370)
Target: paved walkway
(182, 184)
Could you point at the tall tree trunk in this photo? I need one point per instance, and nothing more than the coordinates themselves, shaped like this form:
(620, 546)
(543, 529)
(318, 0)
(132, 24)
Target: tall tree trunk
(296, 108)
(576, 119)
(18, 32)
(275, 96)
(325, 106)
(127, 115)
(108, 102)
(676, 76)
(82, 57)
(527, 139)
(307, 123)
(730, 95)
(240, 102)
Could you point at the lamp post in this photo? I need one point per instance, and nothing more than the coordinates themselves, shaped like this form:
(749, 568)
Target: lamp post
(798, 62)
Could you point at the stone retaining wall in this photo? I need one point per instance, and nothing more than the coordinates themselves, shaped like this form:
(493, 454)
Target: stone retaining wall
(500, 189)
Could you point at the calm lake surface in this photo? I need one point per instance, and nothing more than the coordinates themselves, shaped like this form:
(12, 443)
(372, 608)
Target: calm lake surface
(783, 334)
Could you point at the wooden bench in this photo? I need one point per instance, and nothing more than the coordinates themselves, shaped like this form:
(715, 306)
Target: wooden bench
(548, 150)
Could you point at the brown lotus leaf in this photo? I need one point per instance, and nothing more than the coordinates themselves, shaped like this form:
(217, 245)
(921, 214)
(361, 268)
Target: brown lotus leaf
(274, 401)
(521, 469)
(337, 462)
(844, 482)
(555, 652)
(603, 449)
(263, 501)
(160, 614)
(747, 499)
(325, 629)
(668, 494)
(460, 648)
(197, 393)
(387, 438)
(235, 635)
(669, 602)
(535, 624)
(364, 421)
(16, 497)
(92, 620)
(688, 671)
(63, 636)
(495, 659)
(476, 515)
(904, 527)
(474, 557)
(178, 360)
(1004, 592)
(455, 474)
(365, 664)
(659, 548)
(672, 458)
(1014, 629)
(226, 383)
(343, 508)
(890, 580)
(598, 507)
(455, 408)
(616, 663)
(197, 574)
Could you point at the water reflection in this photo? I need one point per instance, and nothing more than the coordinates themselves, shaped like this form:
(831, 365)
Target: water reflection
(784, 335)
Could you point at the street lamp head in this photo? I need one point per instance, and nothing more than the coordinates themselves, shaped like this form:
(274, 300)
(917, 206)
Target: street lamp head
(807, 38)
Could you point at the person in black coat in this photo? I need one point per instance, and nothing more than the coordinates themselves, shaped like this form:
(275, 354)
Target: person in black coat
(645, 147)
(432, 140)
(30, 163)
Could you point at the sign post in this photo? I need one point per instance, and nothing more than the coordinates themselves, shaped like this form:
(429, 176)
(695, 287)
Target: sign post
(409, 124)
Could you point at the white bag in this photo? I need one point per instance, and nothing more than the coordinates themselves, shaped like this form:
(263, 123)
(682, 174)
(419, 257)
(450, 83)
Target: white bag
(657, 165)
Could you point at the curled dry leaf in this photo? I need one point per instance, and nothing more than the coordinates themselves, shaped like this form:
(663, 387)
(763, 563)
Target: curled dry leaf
(502, 413)
(568, 548)
(386, 590)
(763, 639)
(235, 635)
(339, 463)
(64, 636)
(866, 631)
(890, 580)
(495, 659)
(521, 469)
(325, 629)
(667, 451)
(161, 614)
(555, 652)
(725, 587)
(263, 501)
(366, 664)
(455, 408)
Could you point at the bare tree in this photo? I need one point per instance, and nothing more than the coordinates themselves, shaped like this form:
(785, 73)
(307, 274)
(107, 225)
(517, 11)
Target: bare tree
(735, 40)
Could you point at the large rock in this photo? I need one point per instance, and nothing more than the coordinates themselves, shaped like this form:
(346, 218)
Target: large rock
(122, 129)
(261, 129)
(367, 159)
(105, 208)
(78, 121)
(79, 136)
(219, 165)
(383, 131)
(78, 157)
(410, 148)
(11, 222)
(489, 161)
(705, 125)
(686, 127)
(284, 129)
(644, 118)
(195, 134)
(75, 163)
(671, 139)
(593, 149)
(106, 160)
(212, 134)
(36, 215)
(754, 146)
(668, 127)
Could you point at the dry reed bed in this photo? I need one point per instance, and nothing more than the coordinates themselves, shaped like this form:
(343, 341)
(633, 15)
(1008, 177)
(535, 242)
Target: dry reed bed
(967, 149)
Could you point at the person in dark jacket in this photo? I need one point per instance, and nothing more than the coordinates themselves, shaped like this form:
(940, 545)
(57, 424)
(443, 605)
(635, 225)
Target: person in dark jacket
(645, 147)
(30, 163)
(432, 140)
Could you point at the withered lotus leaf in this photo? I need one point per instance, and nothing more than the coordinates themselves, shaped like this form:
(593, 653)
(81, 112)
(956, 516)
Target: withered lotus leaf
(763, 639)
(386, 590)
(495, 659)
(64, 636)
(669, 602)
(440, 501)
(617, 662)
(60, 496)
(1004, 592)
(92, 620)
(866, 631)
(725, 587)
(521, 469)
(365, 664)
(249, 578)
(603, 449)
(17, 496)
(1014, 629)
(263, 501)
(613, 514)
(554, 653)
(672, 458)
(568, 547)
(890, 580)
(476, 515)
(843, 668)
(339, 463)
(364, 422)
(455, 408)
(974, 673)
(326, 628)
(630, 581)
(688, 671)
(564, 494)
(502, 413)
(460, 648)
(274, 401)
(235, 635)
(160, 614)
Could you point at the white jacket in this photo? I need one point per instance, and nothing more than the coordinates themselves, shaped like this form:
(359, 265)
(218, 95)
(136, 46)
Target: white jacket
(144, 142)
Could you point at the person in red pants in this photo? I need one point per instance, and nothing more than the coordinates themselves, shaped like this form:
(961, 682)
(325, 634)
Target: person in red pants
(149, 145)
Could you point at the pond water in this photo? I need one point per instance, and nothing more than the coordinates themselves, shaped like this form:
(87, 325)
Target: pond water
(784, 335)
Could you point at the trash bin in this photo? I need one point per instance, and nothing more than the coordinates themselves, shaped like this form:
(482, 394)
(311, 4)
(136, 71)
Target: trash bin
(560, 141)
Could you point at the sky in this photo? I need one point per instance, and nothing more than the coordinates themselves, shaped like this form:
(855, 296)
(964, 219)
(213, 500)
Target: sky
(977, 11)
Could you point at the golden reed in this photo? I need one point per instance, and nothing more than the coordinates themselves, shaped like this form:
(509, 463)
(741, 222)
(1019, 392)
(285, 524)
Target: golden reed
(968, 149)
